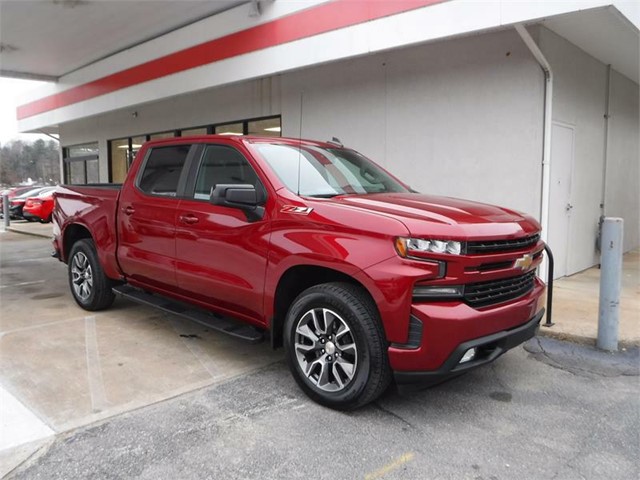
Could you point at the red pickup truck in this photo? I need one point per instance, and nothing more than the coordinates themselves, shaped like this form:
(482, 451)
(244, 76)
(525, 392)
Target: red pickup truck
(362, 279)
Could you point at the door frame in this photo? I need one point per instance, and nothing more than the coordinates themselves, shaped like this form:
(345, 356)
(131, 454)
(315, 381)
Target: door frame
(571, 179)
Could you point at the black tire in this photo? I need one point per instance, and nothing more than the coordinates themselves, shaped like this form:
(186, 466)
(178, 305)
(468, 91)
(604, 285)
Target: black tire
(353, 310)
(100, 294)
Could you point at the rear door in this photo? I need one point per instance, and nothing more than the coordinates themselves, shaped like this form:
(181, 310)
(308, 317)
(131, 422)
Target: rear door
(147, 217)
(221, 253)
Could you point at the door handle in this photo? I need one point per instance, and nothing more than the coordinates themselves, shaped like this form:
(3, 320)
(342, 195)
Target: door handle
(189, 219)
(128, 210)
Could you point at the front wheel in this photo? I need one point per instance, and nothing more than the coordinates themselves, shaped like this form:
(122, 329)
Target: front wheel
(335, 346)
(90, 287)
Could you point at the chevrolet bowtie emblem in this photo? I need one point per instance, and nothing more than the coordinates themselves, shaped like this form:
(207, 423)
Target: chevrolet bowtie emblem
(524, 262)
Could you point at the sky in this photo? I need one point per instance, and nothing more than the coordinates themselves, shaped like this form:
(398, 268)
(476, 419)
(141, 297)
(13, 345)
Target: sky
(10, 92)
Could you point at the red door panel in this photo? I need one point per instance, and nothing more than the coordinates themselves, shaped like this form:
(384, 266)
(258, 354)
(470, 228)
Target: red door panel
(147, 247)
(221, 257)
(147, 217)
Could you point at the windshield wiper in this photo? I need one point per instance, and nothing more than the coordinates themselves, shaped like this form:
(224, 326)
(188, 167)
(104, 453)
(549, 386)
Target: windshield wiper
(324, 195)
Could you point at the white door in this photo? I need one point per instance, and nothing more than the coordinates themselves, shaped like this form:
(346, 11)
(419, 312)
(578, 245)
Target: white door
(562, 150)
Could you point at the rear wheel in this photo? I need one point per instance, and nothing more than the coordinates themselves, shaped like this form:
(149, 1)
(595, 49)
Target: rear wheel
(335, 346)
(90, 287)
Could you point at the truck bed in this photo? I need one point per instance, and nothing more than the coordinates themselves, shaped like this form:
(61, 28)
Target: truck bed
(95, 206)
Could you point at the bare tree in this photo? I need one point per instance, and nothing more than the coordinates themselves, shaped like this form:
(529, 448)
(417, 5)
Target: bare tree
(23, 161)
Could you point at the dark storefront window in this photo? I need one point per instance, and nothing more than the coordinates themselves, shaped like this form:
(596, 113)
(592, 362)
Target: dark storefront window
(81, 164)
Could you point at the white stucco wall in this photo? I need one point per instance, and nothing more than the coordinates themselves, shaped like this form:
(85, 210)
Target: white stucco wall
(623, 161)
(579, 100)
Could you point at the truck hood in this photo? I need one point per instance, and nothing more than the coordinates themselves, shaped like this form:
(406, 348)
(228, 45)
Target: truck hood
(429, 215)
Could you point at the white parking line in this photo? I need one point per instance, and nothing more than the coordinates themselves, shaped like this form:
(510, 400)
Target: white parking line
(94, 369)
(22, 284)
(34, 260)
(41, 325)
(18, 425)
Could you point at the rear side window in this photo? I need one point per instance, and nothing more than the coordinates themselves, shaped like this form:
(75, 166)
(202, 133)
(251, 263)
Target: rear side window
(223, 166)
(162, 170)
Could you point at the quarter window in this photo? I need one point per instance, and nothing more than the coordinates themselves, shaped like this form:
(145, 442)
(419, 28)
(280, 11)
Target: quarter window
(162, 170)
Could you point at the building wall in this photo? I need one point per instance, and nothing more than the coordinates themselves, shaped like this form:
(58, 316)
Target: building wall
(623, 160)
(579, 100)
(459, 118)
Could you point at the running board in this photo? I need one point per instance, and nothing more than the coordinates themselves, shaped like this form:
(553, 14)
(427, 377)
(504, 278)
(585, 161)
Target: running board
(212, 320)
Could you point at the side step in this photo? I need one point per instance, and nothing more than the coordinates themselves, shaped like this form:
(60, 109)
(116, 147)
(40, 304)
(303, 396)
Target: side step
(212, 320)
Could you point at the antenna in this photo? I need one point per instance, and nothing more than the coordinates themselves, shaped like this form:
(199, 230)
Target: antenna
(300, 140)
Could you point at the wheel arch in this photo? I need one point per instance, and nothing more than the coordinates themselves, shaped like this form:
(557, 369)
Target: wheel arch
(73, 233)
(294, 281)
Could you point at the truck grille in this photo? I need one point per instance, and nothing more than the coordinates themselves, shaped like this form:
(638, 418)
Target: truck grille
(491, 246)
(498, 291)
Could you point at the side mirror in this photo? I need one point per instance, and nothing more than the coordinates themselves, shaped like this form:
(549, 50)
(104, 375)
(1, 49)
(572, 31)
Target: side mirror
(243, 197)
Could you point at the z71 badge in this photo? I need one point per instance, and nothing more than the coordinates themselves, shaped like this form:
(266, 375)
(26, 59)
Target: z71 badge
(298, 210)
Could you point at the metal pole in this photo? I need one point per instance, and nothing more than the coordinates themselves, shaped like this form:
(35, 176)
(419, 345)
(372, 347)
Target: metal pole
(610, 283)
(548, 322)
(5, 210)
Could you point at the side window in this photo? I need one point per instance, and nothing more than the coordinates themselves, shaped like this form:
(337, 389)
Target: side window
(162, 170)
(223, 165)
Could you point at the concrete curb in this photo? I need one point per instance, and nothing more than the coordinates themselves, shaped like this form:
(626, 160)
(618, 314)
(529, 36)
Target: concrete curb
(582, 340)
(33, 234)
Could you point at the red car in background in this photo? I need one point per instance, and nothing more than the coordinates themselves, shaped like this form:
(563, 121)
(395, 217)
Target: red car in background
(39, 208)
(16, 191)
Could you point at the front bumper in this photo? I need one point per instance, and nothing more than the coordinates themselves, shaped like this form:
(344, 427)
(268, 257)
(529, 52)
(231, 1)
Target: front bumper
(488, 347)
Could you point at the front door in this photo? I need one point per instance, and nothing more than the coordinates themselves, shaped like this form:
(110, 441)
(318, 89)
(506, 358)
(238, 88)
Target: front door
(562, 152)
(221, 253)
(147, 218)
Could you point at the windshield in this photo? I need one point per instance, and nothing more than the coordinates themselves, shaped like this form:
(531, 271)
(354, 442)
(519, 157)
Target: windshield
(314, 171)
(30, 193)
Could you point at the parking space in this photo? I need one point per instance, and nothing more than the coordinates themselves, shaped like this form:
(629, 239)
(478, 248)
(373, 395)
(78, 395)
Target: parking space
(71, 368)
(519, 418)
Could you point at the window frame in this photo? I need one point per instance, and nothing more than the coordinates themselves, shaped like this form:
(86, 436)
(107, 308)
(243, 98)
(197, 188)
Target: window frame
(67, 160)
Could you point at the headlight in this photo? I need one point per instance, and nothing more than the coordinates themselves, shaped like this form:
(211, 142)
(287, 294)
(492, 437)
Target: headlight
(418, 247)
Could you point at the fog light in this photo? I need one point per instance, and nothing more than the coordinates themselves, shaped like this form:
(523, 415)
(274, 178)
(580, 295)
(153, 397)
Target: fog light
(468, 355)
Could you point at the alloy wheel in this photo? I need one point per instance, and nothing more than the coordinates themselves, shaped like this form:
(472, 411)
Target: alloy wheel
(325, 349)
(82, 276)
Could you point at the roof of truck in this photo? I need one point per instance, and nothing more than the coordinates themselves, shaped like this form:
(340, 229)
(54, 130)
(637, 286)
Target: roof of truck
(246, 139)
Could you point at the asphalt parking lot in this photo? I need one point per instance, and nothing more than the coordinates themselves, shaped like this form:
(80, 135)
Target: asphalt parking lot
(187, 403)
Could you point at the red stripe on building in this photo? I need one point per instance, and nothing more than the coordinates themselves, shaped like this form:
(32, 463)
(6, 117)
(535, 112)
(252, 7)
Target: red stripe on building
(307, 23)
